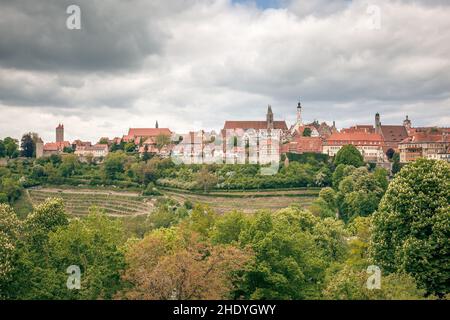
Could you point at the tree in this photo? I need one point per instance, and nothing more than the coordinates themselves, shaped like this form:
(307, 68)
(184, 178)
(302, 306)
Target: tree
(350, 284)
(113, 165)
(349, 155)
(10, 227)
(11, 147)
(293, 249)
(202, 219)
(228, 227)
(32, 276)
(390, 153)
(161, 141)
(68, 150)
(103, 141)
(396, 163)
(2, 149)
(359, 192)
(27, 145)
(411, 226)
(146, 155)
(340, 173)
(11, 188)
(129, 147)
(174, 264)
(69, 165)
(45, 218)
(92, 244)
(205, 179)
(307, 132)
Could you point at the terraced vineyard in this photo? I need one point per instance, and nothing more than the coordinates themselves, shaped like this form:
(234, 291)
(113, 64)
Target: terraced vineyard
(78, 202)
(248, 201)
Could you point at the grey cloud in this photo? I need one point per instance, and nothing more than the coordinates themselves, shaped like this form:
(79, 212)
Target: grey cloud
(193, 64)
(114, 35)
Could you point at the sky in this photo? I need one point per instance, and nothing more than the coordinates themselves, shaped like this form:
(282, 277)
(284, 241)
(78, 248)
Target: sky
(192, 64)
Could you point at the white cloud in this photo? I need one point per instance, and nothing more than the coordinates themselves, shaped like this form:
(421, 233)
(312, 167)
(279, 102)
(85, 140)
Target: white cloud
(209, 61)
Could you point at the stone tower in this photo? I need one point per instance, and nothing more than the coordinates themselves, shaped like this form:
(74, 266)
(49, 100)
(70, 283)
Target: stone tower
(377, 123)
(269, 117)
(39, 148)
(60, 133)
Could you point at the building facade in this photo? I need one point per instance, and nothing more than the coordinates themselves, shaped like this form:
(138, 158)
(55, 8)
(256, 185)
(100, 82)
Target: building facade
(95, 151)
(435, 146)
(370, 145)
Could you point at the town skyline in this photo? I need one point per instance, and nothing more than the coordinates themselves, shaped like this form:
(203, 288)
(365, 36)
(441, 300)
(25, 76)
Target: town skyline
(48, 134)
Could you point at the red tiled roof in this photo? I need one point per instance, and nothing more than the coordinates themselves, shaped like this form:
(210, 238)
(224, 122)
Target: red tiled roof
(394, 133)
(306, 144)
(356, 136)
(56, 146)
(420, 137)
(148, 132)
(359, 128)
(257, 125)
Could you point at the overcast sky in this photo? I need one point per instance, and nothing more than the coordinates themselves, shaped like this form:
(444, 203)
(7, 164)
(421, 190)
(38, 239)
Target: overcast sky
(193, 64)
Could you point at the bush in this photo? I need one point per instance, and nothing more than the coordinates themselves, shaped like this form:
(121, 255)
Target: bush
(151, 190)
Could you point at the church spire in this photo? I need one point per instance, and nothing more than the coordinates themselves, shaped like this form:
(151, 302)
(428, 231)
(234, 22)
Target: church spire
(156, 124)
(269, 117)
(299, 114)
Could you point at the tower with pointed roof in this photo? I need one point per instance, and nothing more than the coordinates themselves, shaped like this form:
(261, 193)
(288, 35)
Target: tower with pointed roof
(299, 115)
(269, 117)
(407, 123)
(377, 123)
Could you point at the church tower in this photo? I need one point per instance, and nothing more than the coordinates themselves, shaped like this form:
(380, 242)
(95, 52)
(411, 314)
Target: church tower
(60, 133)
(299, 115)
(407, 123)
(269, 117)
(156, 124)
(377, 123)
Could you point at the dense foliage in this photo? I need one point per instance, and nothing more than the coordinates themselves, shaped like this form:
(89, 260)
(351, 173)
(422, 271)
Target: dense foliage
(411, 229)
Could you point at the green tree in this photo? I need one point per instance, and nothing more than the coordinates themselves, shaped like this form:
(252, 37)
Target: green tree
(396, 163)
(360, 192)
(293, 249)
(93, 244)
(46, 217)
(69, 165)
(349, 155)
(10, 227)
(27, 145)
(68, 150)
(202, 219)
(32, 276)
(340, 173)
(129, 147)
(2, 149)
(307, 132)
(113, 165)
(205, 179)
(411, 226)
(11, 147)
(350, 284)
(11, 188)
(161, 141)
(228, 227)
